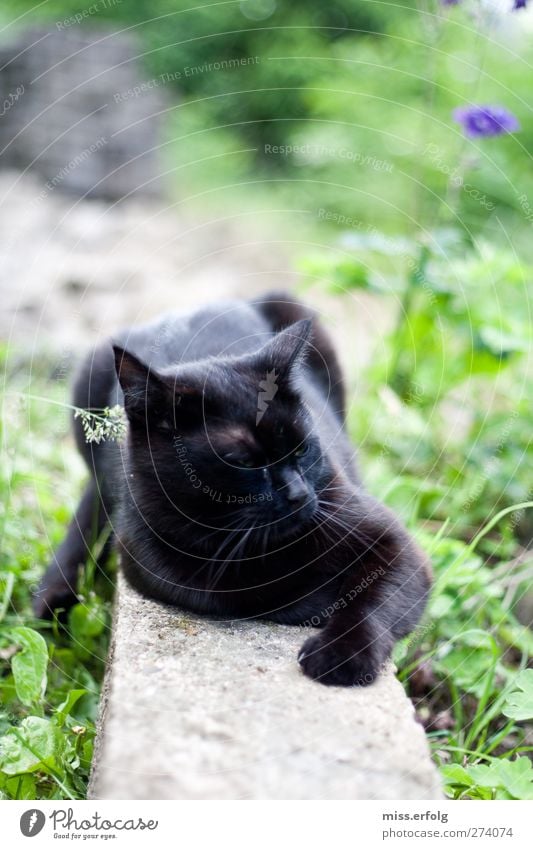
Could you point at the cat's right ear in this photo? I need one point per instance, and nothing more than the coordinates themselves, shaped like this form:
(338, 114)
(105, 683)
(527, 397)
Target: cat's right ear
(147, 397)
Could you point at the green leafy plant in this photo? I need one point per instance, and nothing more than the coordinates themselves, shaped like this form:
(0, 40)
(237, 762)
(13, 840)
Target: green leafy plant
(29, 665)
(50, 673)
(460, 668)
(519, 703)
(496, 779)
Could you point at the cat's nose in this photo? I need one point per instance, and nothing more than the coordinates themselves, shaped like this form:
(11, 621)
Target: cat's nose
(296, 490)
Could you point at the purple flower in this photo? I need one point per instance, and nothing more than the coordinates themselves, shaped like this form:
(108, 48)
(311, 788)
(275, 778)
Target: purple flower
(484, 121)
(517, 4)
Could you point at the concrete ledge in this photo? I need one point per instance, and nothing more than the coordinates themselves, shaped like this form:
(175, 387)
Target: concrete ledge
(196, 709)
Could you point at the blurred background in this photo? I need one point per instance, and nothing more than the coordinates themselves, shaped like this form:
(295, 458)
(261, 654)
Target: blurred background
(254, 121)
(158, 155)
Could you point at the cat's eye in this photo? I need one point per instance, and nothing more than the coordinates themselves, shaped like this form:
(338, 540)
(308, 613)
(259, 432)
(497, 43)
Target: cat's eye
(302, 450)
(242, 462)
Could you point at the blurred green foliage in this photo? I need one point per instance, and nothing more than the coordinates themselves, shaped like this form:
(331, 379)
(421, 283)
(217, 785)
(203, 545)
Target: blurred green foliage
(446, 400)
(365, 88)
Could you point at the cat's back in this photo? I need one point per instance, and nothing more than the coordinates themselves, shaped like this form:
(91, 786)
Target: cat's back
(224, 328)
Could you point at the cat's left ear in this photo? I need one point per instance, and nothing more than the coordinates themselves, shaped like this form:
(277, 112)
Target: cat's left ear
(147, 396)
(288, 349)
(154, 399)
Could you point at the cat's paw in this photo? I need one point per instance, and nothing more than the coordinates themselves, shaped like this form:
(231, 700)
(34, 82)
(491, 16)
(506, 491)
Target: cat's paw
(52, 597)
(336, 663)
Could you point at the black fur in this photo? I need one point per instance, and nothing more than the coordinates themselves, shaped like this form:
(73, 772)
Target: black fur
(236, 492)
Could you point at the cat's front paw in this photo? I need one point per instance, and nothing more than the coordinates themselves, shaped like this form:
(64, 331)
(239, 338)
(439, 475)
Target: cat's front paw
(53, 595)
(336, 663)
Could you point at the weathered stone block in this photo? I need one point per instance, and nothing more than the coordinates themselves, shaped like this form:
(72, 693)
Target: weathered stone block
(199, 709)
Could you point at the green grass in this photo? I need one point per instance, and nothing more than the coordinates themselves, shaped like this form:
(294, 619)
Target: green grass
(50, 675)
(465, 666)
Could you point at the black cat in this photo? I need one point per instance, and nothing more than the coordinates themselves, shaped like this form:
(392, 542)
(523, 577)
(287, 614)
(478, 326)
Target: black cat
(235, 493)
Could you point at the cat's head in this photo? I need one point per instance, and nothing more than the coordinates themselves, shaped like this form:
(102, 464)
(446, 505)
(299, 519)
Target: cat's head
(226, 442)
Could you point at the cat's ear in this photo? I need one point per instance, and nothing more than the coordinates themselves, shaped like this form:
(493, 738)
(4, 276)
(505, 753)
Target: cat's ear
(151, 398)
(288, 349)
(147, 396)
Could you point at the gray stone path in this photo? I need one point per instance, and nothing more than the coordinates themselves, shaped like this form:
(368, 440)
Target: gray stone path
(196, 709)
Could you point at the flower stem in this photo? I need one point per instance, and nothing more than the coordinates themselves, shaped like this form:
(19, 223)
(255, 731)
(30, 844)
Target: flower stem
(396, 378)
